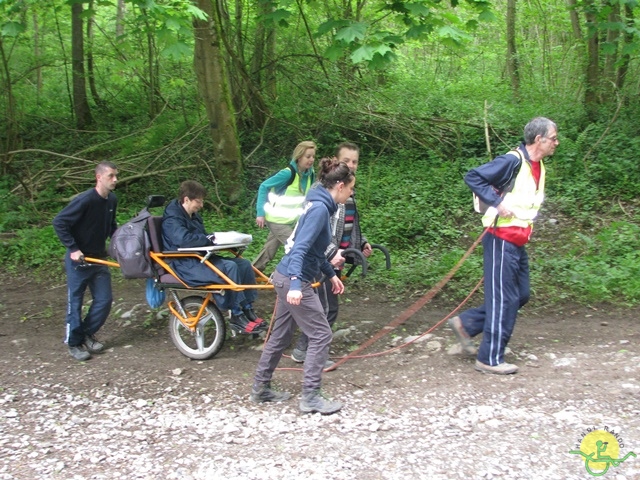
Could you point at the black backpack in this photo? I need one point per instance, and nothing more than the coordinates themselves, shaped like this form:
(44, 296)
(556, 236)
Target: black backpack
(130, 246)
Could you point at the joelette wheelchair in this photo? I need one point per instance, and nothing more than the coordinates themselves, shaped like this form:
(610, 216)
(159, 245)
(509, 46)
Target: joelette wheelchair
(197, 327)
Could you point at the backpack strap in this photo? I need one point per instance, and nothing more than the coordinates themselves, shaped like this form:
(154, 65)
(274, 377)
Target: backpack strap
(293, 176)
(508, 186)
(481, 207)
(281, 190)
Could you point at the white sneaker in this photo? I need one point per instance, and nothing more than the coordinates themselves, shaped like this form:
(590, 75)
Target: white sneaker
(463, 337)
(500, 369)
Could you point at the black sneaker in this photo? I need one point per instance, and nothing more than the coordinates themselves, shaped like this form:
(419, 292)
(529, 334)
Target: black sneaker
(79, 354)
(92, 344)
(240, 323)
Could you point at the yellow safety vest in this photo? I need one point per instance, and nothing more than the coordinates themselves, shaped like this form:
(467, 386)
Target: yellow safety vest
(524, 200)
(285, 209)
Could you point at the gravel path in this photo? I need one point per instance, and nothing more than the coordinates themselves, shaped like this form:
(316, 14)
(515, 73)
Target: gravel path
(495, 428)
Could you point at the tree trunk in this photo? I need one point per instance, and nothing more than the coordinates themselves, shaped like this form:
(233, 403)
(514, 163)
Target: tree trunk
(234, 50)
(312, 41)
(628, 40)
(154, 83)
(512, 56)
(80, 103)
(90, 71)
(65, 61)
(214, 90)
(36, 54)
(593, 72)
(245, 93)
(575, 20)
(612, 38)
(264, 54)
(9, 137)
(259, 45)
(120, 11)
(270, 84)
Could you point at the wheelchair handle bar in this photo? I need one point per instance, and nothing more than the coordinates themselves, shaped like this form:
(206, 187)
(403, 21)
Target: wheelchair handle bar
(357, 252)
(385, 251)
(363, 259)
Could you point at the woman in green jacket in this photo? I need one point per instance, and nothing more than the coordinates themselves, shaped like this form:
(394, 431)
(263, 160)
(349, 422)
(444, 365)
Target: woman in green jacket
(280, 200)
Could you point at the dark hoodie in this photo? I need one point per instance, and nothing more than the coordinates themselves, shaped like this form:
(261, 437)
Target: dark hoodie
(179, 230)
(87, 222)
(305, 248)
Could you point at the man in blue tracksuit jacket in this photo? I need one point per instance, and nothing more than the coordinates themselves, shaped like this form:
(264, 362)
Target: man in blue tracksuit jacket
(512, 185)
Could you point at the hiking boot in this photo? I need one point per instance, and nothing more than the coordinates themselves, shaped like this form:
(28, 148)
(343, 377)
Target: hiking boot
(463, 337)
(328, 364)
(251, 315)
(242, 324)
(262, 392)
(313, 401)
(298, 356)
(92, 344)
(79, 354)
(500, 369)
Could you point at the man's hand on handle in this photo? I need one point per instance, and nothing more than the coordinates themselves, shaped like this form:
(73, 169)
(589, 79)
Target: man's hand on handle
(77, 256)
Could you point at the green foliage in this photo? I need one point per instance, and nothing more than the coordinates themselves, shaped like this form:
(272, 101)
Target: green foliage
(373, 41)
(35, 248)
(419, 269)
(600, 268)
(413, 83)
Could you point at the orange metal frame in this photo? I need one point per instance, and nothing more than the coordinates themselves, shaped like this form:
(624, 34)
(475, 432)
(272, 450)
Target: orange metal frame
(191, 321)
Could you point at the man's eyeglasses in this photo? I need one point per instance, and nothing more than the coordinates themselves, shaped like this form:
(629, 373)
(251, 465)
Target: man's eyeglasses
(553, 139)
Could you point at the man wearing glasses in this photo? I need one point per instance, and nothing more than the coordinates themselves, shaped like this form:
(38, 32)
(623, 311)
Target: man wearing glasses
(512, 185)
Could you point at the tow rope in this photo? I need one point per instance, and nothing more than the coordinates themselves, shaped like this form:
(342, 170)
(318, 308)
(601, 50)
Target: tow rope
(413, 309)
(404, 316)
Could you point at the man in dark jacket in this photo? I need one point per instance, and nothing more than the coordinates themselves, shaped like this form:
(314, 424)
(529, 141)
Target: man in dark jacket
(182, 227)
(512, 185)
(83, 227)
(346, 233)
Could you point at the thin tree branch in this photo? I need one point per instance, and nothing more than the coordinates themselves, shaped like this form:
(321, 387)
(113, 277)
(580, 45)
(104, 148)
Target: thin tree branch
(606, 130)
(313, 44)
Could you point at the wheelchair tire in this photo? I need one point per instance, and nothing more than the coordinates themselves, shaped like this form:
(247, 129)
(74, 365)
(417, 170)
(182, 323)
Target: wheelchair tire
(210, 332)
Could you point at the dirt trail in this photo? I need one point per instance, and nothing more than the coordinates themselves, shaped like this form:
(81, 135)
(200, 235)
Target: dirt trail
(580, 368)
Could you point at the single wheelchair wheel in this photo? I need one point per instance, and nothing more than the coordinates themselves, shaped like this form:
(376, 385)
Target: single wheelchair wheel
(209, 336)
